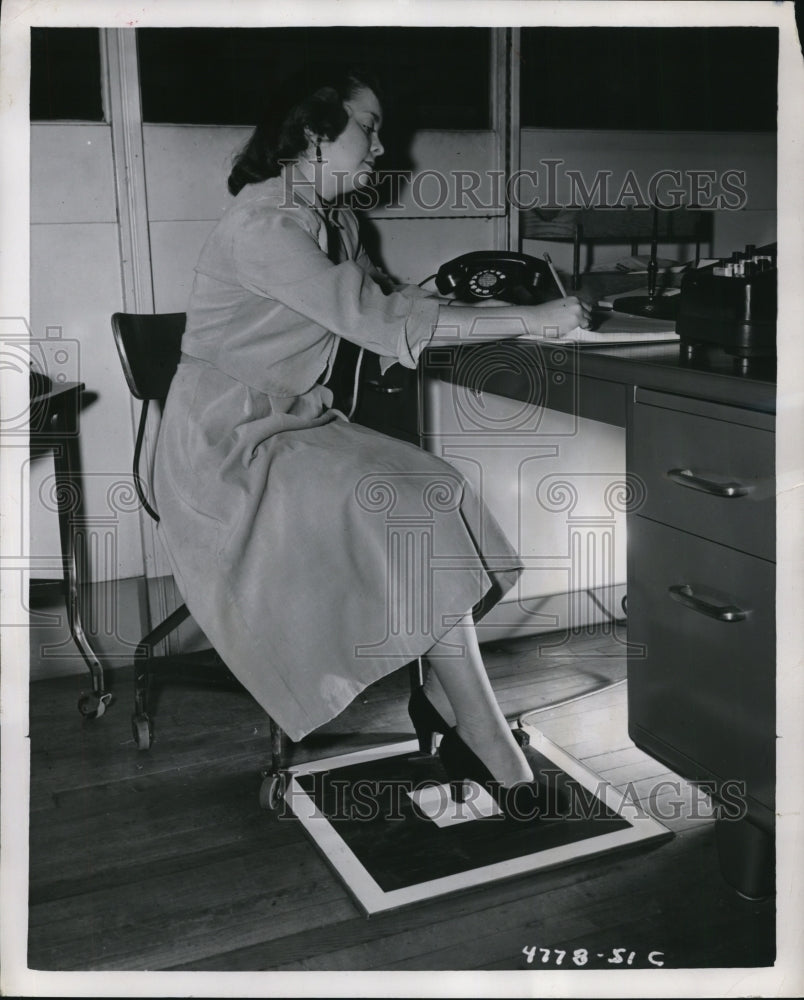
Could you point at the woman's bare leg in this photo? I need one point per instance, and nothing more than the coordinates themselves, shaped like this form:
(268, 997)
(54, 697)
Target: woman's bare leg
(437, 698)
(458, 667)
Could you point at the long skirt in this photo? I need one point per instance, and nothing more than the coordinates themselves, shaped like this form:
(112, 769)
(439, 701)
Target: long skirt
(315, 554)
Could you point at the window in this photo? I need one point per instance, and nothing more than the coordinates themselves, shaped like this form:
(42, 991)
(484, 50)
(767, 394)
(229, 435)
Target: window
(431, 77)
(685, 79)
(65, 74)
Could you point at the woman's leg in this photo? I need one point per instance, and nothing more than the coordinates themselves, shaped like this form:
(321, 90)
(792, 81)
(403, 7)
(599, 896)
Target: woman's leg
(458, 666)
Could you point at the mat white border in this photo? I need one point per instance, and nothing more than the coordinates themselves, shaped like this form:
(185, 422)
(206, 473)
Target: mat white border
(373, 899)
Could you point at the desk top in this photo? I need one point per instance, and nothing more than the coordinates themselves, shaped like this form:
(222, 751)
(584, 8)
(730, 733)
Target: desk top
(712, 375)
(661, 366)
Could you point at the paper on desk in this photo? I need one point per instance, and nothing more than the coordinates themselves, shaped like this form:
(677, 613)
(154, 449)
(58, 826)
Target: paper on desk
(621, 328)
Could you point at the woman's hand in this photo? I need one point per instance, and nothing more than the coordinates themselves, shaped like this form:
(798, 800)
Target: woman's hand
(466, 323)
(556, 319)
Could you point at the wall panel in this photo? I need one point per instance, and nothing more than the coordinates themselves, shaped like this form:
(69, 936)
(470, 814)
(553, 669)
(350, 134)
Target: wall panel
(175, 247)
(71, 174)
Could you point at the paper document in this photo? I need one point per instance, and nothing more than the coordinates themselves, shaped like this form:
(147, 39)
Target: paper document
(614, 327)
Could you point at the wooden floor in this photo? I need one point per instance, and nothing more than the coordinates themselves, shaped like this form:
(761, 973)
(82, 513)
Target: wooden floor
(163, 859)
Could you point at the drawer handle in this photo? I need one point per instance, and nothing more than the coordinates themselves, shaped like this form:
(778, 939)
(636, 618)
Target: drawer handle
(683, 593)
(389, 390)
(686, 477)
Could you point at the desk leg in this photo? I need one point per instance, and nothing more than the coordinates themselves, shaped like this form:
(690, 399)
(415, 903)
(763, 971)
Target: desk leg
(65, 461)
(746, 855)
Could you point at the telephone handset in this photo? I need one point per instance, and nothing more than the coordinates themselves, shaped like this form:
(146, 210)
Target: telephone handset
(490, 274)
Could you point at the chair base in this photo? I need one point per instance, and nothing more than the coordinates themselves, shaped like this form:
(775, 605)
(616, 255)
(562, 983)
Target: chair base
(207, 667)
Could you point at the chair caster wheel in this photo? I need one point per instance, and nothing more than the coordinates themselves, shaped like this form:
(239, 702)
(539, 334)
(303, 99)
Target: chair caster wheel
(93, 706)
(141, 729)
(272, 791)
(522, 738)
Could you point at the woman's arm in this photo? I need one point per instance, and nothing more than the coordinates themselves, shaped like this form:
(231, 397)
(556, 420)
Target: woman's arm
(501, 321)
(487, 319)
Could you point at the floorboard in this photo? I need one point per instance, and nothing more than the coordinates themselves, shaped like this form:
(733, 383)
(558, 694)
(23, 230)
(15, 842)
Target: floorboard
(164, 860)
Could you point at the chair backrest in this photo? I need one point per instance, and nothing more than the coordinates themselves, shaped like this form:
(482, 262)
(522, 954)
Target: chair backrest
(149, 346)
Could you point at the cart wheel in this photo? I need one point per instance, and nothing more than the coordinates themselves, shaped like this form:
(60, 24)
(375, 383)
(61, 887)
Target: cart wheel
(141, 728)
(272, 791)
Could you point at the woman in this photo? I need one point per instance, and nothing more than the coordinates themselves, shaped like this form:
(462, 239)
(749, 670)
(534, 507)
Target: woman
(276, 511)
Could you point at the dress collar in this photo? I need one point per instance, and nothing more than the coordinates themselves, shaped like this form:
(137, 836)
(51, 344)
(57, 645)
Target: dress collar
(301, 191)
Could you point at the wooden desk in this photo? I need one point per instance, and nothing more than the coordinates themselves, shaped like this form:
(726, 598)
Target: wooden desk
(54, 426)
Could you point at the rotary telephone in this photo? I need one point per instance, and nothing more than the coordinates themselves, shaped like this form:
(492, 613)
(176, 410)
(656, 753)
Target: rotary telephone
(490, 274)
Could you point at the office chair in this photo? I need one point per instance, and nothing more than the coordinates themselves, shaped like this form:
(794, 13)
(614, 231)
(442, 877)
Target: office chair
(616, 225)
(149, 346)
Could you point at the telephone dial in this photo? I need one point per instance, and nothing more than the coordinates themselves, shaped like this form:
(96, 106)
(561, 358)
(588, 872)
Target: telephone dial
(487, 274)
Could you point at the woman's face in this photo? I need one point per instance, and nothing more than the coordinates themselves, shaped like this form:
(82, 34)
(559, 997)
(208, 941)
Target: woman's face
(349, 159)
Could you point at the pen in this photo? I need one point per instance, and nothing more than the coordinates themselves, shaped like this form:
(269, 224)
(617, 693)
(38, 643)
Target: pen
(556, 278)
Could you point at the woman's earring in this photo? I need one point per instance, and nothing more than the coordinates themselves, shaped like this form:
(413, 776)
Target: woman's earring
(318, 153)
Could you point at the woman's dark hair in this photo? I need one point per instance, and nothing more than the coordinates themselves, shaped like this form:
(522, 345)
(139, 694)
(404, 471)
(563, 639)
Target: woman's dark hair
(312, 100)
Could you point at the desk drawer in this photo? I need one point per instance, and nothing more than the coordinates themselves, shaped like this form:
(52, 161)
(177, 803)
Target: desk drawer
(712, 475)
(701, 669)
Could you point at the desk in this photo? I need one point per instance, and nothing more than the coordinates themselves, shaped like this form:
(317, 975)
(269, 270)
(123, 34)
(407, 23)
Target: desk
(596, 382)
(53, 425)
(701, 555)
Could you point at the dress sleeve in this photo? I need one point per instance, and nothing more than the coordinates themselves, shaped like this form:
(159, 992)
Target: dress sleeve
(276, 256)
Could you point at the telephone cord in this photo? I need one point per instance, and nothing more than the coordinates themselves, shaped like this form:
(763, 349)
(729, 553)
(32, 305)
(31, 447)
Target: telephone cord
(356, 383)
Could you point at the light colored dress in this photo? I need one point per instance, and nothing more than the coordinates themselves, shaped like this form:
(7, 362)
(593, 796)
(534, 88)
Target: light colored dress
(316, 555)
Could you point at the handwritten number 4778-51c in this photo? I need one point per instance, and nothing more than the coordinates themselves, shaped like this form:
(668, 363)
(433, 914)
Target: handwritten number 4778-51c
(582, 956)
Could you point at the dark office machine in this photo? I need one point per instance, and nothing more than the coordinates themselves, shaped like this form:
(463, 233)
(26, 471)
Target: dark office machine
(731, 304)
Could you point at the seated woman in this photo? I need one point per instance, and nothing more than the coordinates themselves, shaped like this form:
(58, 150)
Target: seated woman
(274, 507)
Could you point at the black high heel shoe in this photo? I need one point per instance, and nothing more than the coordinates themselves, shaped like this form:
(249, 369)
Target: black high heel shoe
(426, 719)
(428, 723)
(526, 800)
